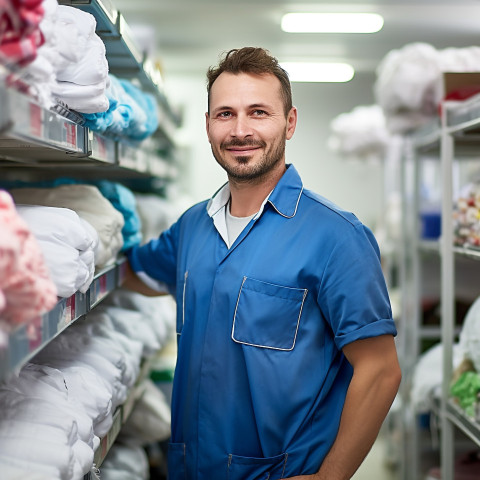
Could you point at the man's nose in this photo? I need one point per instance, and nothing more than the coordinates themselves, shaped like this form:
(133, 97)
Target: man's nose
(241, 127)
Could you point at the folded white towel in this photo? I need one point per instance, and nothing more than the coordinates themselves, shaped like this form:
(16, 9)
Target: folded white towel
(89, 390)
(91, 69)
(150, 418)
(67, 245)
(45, 453)
(125, 462)
(90, 205)
(130, 323)
(14, 468)
(159, 313)
(83, 22)
(15, 405)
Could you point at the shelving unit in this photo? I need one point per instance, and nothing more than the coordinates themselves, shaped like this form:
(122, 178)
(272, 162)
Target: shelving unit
(127, 61)
(451, 140)
(33, 137)
(38, 144)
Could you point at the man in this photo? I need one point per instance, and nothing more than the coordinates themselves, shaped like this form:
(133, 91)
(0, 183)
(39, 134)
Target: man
(286, 359)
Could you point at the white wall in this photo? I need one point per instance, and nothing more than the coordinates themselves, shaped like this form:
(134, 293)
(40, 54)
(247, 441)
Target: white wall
(356, 187)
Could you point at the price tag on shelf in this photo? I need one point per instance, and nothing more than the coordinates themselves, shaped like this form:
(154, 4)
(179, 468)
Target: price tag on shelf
(36, 120)
(34, 330)
(71, 134)
(102, 281)
(70, 310)
(101, 149)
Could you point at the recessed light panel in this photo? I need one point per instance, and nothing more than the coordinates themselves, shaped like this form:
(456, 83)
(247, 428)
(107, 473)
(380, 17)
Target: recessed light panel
(318, 72)
(332, 22)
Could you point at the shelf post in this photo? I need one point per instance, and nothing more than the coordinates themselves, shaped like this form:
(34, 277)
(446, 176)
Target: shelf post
(447, 296)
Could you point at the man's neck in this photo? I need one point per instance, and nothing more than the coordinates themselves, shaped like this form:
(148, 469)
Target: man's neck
(247, 197)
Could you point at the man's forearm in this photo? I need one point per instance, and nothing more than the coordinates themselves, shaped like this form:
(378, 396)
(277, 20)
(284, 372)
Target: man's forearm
(132, 282)
(375, 382)
(366, 405)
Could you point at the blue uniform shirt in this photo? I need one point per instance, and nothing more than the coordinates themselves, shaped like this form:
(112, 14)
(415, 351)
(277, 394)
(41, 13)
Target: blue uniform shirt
(261, 379)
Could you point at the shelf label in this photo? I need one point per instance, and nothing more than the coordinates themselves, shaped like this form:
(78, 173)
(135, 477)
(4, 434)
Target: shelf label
(100, 144)
(122, 273)
(71, 131)
(34, 333)
(70, 310)
(36, 120)
(103, 284)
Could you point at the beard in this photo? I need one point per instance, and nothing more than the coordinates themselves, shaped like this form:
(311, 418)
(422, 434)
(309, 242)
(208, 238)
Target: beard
(240, 168)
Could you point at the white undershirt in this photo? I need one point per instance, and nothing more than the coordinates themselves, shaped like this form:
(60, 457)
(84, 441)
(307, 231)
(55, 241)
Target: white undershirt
(235, 225)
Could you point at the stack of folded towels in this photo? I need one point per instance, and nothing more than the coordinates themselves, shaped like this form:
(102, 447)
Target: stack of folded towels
(132, 113)
(71, 66)
(26, 288)
(360, 134)
(68, 244)
(54, 412)
(409, 84)
(90, 205)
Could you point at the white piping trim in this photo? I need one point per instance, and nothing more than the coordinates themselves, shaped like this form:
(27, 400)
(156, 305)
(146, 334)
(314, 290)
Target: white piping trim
(183, 300)
(296, 206)
(305, 291)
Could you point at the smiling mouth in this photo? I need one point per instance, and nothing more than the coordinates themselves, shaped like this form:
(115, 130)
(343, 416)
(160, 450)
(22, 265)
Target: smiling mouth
(243, 151)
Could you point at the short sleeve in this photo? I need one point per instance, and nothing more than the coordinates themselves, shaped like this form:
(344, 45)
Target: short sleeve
(155, 262)
(353, 294)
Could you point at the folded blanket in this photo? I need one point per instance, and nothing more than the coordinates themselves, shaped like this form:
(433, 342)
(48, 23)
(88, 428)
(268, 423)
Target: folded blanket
(91, 69)
(18, 469)
(89, 204)
(125, 462)
(67, 244)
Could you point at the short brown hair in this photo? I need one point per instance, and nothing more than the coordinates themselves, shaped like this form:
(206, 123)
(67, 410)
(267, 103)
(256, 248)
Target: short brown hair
(252, 60)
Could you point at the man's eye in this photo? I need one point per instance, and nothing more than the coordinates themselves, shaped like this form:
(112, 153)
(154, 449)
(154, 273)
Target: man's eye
(224, 114)
(259, 113)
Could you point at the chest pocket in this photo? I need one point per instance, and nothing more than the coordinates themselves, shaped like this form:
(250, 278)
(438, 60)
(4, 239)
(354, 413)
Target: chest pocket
(267, 315)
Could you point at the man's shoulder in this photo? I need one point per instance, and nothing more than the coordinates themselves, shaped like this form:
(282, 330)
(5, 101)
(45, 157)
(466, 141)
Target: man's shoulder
(192, 215)
(325, 207)
(195, 211)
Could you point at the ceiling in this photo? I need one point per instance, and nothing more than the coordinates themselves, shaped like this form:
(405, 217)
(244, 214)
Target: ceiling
(187, 36)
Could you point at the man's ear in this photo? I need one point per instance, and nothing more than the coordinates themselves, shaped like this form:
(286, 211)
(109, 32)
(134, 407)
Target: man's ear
(291, 122)
(207, 125)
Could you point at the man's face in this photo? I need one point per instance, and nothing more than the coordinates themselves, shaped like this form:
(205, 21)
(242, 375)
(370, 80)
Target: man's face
(246, 126)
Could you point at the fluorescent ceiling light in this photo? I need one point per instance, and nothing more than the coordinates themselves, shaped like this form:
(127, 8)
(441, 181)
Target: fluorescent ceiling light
(318, 72)
(332, 22)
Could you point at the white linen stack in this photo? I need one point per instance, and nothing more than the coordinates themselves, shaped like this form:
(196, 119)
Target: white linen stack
(157, 214)
(89, 204)
(360, 134)
(469, 340)
(55, 411)
(68, 244)
(409, 84)
(42, 428)
(71, 66)
(427, 377)
(150, 420)
(132, 324)
(82, 84)
(125, 463)
(158, 313)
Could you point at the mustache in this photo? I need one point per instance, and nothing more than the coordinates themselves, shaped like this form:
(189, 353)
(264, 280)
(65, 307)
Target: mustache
(243, 143)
